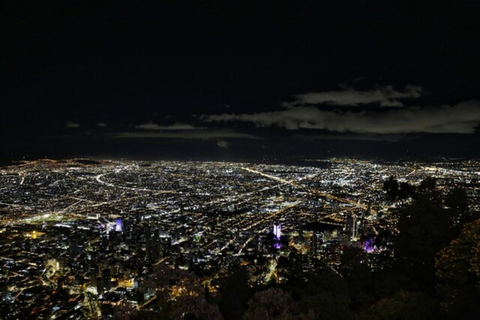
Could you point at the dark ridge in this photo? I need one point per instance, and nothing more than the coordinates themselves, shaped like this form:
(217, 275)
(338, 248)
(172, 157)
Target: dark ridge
(87, 161)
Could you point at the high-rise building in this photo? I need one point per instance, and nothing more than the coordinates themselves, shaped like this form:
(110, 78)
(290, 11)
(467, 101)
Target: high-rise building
(118, 225)
(100, 287)
(313, 243)
(352, 226)
(277, 232)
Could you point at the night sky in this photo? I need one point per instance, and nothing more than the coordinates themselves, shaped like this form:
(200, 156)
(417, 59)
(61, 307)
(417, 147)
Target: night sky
(246, 79)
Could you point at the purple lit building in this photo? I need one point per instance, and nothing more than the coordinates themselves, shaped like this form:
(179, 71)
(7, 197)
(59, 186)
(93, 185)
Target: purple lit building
(277, 232)
(118, 225)
(369, 245)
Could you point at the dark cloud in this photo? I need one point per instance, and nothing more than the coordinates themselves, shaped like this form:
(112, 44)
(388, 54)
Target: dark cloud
(186, 134)
(72, 125)
(353, 137)
(386, 97)
(463, 117)
(176, 126)
(222, 144)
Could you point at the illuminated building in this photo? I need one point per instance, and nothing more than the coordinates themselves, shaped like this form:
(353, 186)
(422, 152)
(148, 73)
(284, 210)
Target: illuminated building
(277, 232)
(352, 226)
(368, 245)
(118, 225)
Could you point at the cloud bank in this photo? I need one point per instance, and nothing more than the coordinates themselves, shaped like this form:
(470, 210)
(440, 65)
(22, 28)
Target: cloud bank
(222, 144)
(463, 117)
(176, 126)
(187, 134)
(72, 125)
(386, 97)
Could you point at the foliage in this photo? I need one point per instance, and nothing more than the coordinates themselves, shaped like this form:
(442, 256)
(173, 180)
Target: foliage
(324, 294)
(326, 305)
(396, 191)
(427, 185)
(390, 186)
(358, 276)
(425, 228)
(387, 284)
(275, 304)
(234, 293)
(402, 306)
(457, 202)
(458, 268)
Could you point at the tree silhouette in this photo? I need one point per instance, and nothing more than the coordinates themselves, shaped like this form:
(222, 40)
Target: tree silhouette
(427, 185)
(458, 268)
(358, 276)
(425, 228)
(234, 293)
(406, 191)
(325, 305)
(403, 306)
(275, 304)
(457, 202)
(391, 188)
(325, 294)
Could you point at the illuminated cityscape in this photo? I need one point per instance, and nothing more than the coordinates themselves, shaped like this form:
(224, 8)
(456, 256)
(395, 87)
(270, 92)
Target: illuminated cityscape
(240, 160)
(97, 229)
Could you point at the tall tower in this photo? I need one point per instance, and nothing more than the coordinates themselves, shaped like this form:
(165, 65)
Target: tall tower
(355, 226)
(277, 232)
(313, 243)
(352, 226)
(118, 225)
